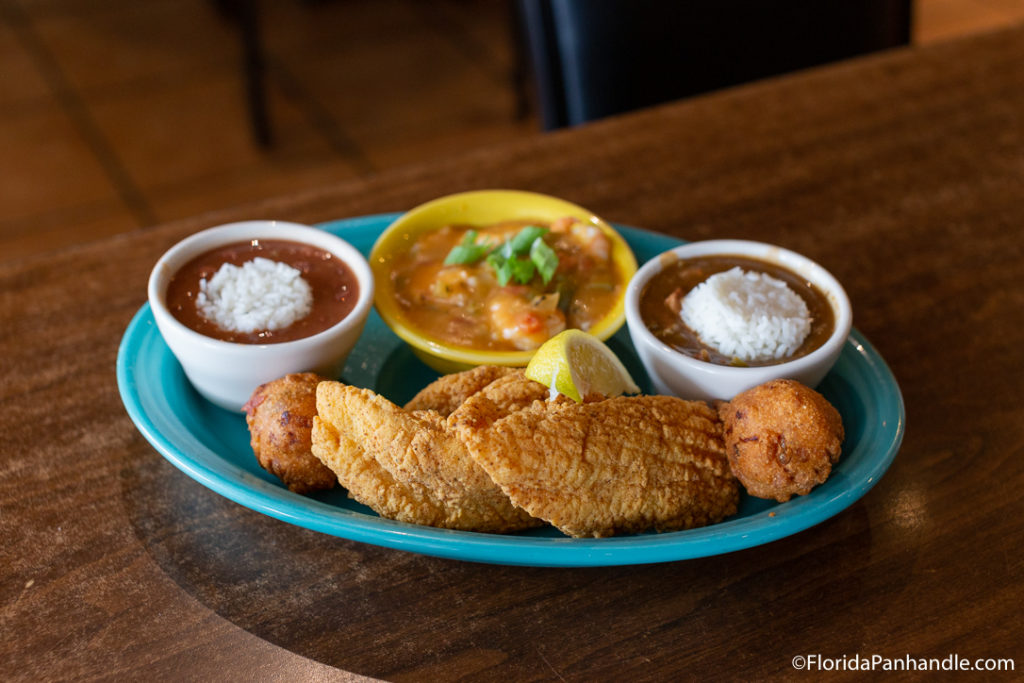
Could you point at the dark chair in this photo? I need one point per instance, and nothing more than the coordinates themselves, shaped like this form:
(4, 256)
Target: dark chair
(594, 58)
(246, 13)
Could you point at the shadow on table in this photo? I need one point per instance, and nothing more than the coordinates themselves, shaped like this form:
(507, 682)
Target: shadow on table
(386, 613)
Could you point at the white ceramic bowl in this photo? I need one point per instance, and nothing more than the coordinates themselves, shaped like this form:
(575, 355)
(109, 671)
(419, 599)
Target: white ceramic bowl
(226, 373)
(673, 372)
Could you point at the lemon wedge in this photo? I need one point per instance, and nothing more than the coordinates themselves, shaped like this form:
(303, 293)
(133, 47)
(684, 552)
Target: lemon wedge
(575, 364)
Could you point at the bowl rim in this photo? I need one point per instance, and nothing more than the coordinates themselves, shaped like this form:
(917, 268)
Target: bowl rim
(784, 257)
(606, 327)
(219, 235)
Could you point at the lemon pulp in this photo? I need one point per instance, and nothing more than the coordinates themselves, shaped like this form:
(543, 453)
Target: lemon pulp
(575, 364)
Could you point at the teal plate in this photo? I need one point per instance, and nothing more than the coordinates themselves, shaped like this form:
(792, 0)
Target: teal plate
(211, 445)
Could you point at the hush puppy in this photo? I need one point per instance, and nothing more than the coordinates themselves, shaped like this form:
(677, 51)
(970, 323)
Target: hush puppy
(782, 439)
(280, 418)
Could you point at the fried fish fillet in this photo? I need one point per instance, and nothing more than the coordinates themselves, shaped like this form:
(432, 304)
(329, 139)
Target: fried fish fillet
(448, 392)
(407, 465)
(615, 466)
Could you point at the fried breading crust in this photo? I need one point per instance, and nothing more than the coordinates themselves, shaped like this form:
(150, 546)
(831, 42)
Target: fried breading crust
(448, 392)
(622, 465)
(489, 450)
(782, 438)
(407, 465)
(368, 482)
(280, 417)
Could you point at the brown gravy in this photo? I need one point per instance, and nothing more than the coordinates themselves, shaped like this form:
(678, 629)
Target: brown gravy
(660, 300)
(334, 285)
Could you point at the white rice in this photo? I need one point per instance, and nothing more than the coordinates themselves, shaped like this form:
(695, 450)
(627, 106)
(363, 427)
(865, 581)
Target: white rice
(258, 295)
(751, 316)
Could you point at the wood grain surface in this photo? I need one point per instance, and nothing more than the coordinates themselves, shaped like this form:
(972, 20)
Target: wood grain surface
(902, 173)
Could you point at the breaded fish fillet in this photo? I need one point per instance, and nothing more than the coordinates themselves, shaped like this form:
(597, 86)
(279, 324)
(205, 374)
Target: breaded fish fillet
(512, 392)
(407, 465)
(621, 465)
(369, 483)
(447, 393)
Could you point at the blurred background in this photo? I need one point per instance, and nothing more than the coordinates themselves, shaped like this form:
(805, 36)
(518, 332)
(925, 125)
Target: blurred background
(117, 114)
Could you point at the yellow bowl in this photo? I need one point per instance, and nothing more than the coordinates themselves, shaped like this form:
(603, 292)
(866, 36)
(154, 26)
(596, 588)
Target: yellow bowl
(481, 207)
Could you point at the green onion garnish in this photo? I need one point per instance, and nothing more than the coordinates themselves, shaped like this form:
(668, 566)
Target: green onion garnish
(519, 258)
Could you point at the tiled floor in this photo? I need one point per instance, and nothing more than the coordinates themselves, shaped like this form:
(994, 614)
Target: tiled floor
(97, 97)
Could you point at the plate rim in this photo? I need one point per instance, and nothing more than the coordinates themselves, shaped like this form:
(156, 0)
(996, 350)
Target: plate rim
(728, 536)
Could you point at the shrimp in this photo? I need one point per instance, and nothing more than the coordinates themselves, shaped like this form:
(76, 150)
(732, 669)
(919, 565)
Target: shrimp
(453, 284)
(593, 241)
(435, 283)
(589, 238)
(524, 320)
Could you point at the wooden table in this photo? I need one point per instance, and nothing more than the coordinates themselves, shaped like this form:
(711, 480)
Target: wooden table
(902, 173)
